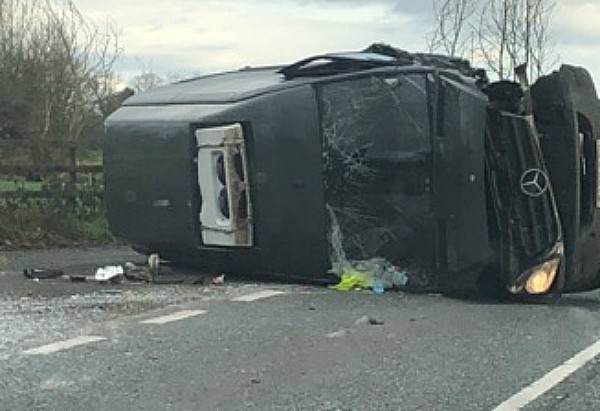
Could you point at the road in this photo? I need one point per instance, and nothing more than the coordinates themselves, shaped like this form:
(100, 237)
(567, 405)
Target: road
(269, 346)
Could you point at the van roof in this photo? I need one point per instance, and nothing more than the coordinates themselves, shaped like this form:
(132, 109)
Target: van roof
(229, 87)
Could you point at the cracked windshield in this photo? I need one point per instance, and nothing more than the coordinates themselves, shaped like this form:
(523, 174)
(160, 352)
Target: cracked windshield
(299, 205)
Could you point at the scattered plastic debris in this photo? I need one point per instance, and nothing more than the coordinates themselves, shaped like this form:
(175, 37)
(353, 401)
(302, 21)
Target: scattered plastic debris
(219, 280)
(353, 281)
(378, 287)
(376, 273)
(77, 278)
(136, 273)
(112, 273)
(152, 272)
(42, 273)
(384, 271)
(368, 320)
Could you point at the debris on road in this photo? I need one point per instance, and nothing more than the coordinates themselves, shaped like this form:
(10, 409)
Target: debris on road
(352, 281)
(368, 320)
(136, 273)
(378, 287)
(153, 264)
(149, 272)
(219, 280)
(77, 278)
(42, 273)
(377, 274)
(112, 273)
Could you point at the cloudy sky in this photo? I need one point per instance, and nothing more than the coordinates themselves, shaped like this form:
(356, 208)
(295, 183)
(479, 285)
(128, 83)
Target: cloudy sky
(188, 37)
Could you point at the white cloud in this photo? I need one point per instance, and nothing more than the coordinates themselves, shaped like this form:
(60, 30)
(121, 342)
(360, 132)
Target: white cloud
(199, 36)
(217, 35)
(576, 33)
(584, 17)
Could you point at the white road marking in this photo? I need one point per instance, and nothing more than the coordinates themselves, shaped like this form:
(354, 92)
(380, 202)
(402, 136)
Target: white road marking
(63, 345)
(257, 296)
(548, 381)
(337, 334)
(179, 315)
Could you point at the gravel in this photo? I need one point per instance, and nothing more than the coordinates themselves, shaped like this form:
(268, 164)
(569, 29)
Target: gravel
(33, 313)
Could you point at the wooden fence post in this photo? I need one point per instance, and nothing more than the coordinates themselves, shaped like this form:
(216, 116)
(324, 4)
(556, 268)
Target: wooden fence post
(68, 164)
(72, 195)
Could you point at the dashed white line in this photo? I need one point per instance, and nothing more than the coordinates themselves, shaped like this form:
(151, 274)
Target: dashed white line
(63, 345)
(257, 296)
(530, 393)
(179, 315)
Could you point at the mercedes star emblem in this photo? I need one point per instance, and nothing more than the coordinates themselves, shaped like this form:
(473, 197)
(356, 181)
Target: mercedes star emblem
(534, 182)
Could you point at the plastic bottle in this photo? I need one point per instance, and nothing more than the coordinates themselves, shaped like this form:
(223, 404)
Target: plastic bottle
(378, 287)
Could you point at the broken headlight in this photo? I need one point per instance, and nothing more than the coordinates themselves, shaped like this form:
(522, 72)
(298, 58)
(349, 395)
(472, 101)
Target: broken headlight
(540, 278)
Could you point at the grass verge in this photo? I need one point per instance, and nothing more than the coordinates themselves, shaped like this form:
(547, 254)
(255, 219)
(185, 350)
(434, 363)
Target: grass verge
(31, 228)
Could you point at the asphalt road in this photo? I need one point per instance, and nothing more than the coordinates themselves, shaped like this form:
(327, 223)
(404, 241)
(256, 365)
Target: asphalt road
(275, 346)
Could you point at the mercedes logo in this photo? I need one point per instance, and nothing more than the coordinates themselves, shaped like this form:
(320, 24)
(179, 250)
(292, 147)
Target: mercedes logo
(534, 182)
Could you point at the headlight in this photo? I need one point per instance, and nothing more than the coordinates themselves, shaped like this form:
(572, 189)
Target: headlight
(541, 278)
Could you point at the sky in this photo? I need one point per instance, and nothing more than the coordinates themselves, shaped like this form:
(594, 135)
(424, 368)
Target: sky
(183, 38)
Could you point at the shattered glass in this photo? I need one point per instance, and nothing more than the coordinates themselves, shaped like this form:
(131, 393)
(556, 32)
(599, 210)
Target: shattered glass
(377, 167)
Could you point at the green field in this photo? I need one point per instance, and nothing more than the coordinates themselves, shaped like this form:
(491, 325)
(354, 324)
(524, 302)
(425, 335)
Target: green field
(14, 185)
(33, 213)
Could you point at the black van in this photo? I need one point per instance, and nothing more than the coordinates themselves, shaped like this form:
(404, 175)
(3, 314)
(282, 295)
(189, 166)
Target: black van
(414, 159)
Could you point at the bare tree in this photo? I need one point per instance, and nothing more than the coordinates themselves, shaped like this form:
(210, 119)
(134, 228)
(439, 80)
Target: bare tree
(514, 32)
(55, 69)
(146, 81)
(453, 26)
(501, 34)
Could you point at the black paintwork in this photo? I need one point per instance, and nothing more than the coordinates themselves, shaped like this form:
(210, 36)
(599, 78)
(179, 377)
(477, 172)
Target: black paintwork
(449, 205)
(565, 103)
(149, 151)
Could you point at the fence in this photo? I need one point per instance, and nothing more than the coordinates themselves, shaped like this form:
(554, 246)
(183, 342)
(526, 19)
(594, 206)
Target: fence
(47, 169)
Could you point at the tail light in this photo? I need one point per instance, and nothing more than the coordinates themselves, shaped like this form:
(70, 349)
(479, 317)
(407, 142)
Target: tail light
(226, 212)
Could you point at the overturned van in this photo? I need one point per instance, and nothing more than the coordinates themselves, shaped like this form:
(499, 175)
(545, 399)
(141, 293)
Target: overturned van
(413, 159)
